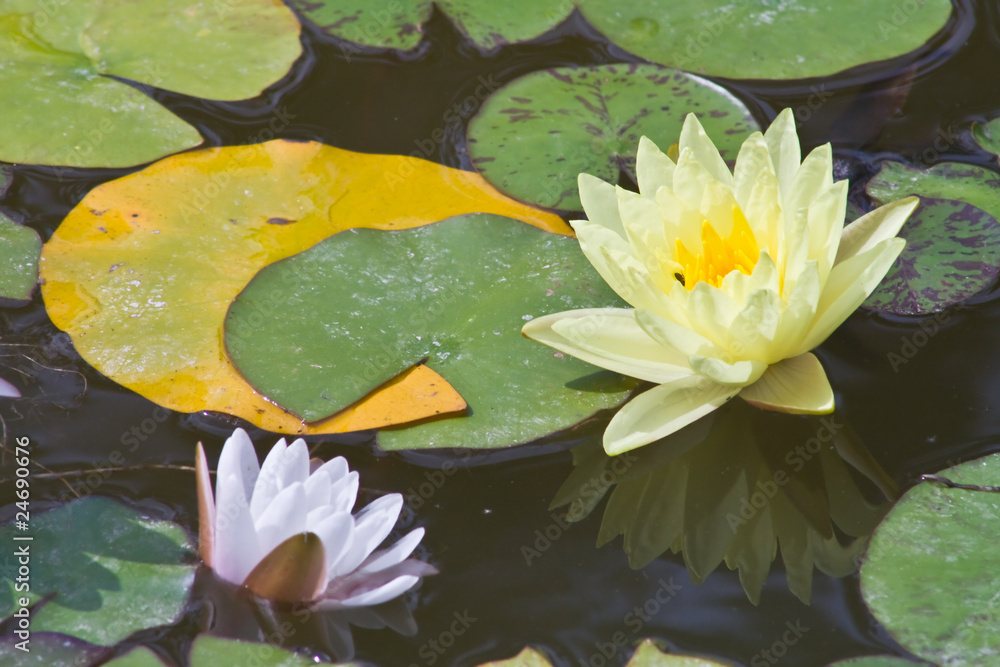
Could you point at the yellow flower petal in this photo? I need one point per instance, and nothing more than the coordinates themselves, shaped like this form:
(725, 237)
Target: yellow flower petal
(874, 227)
(694, 137)
(600, 203)
(653, 168)
(737, 373)
(611, 339)
(663, 410)
(849, 284)
(783, 146)
(797, 385)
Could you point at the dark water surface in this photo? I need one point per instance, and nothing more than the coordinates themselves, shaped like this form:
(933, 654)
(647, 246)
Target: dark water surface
(941, 407)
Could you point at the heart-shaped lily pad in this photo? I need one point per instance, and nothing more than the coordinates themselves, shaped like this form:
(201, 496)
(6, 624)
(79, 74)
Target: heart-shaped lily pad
(948, 180)
(761, 39)
(952, 252)
(534, 136)
(398, 24)
(60, 63)
(141, 272)
(20, 248)
(358, 308)
(932, 570)
(109, 570)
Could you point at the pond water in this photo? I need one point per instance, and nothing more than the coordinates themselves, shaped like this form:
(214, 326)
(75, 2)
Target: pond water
(571, 598)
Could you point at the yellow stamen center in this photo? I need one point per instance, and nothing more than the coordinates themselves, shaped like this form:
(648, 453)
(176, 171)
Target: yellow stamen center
(720, 256)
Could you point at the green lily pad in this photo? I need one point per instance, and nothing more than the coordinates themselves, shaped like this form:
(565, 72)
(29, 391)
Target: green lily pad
(211, 651)
(358, 308)
(57, 61)
(952, 252)
(646, 655)
(533, 137)
(761, 39)
(948, 180)
(399, 24)
(141, 657)
(48, 649)
(988, 136)
(20, 248)
(876, 661)
(110, 571)
(932, 570)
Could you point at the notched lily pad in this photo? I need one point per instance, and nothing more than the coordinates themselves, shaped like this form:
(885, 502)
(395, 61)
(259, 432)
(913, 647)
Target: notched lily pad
(534, 136)
(60, 61)
(141, 272)
(109, 570)
(761, 39)
(952, 252)
(932, 570)
(399, 24)
(358, 308)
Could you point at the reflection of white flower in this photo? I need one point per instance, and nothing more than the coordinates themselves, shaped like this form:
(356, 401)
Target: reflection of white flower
(7, 390)
(734, 276)
(257, 509)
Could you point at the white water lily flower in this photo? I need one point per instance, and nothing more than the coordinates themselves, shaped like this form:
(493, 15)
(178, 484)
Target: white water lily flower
(286, 531)
(734, 278)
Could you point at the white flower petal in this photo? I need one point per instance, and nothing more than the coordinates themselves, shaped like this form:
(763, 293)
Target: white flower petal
(239, 457)
(394, 555)
(269, 481)
(282, 518)
(337, 532)
(237, 549)
(317, 488)
(295, 463)
(600, 204)
(609, 338)
(663, 410)
(387, 591)
(797, 385)
(371, 525)
(206, 507)
(344, 492)
(653, 168)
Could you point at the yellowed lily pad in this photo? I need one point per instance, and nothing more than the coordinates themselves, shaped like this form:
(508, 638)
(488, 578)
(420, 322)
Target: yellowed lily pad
(142, 271)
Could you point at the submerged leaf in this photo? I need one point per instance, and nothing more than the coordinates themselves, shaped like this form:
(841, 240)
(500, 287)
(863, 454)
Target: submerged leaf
(932, 571)
(534, 136)
(20, 248)
(141, 272)
(113, 571)
(359, 307)
(952, 252)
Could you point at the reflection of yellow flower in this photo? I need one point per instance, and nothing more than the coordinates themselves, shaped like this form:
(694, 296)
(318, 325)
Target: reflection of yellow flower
(734, 278)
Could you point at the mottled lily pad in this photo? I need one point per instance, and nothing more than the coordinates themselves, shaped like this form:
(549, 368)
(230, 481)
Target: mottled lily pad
(948, 180)
(60, 63)
(363, 305)
(20, 248)
(534, 136)
(932, 570)
(109, 570)
(646, 655)
(399, 24)
(952, 252)
(761, 39)
(141, 272)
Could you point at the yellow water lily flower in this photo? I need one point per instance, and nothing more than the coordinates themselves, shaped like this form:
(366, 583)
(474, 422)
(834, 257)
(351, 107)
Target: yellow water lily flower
(734, 278)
